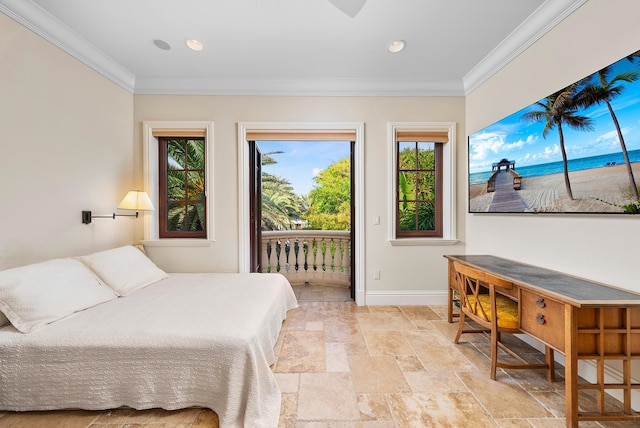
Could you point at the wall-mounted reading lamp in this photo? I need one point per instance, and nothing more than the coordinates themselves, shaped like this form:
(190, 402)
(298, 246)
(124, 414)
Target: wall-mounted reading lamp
(135, 200)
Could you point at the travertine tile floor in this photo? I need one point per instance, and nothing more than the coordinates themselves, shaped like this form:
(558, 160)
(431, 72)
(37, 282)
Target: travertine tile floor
(340, 365)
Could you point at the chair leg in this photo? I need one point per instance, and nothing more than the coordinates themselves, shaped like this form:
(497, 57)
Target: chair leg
(460, 327)
(494, 354)
(550, 360)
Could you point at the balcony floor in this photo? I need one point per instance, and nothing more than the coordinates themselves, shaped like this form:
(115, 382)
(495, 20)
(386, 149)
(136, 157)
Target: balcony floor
(321, 293)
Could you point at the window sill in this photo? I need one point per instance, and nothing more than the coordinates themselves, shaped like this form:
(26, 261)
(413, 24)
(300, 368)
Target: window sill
(422, 242)
(178, 243)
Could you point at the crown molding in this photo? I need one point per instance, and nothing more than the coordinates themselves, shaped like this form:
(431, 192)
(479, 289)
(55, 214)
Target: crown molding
(300, 87)
(547, 16)
(49, 28)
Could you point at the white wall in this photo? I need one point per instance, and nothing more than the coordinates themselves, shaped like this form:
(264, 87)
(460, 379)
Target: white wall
(67, 146)
(414, 273)
(599, 247)
(65, 139)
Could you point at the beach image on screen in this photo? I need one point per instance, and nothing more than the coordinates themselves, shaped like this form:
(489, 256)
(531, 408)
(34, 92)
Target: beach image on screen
(574, 151)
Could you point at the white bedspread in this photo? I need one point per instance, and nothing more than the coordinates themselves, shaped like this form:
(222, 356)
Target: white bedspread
(189, 340)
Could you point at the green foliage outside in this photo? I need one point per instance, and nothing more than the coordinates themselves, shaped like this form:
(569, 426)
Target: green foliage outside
(327, 207)
(185, 185)
(416, 186)
(330, 198)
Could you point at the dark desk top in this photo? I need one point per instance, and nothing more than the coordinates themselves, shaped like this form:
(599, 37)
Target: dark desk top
(571, 289)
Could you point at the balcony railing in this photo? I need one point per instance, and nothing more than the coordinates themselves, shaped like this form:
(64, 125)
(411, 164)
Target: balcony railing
(313, 256)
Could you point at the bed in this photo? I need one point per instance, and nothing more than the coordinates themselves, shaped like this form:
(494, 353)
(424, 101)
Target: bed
(181, 340)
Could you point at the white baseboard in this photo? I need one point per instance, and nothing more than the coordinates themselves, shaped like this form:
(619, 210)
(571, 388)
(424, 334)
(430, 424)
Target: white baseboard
(405, 297)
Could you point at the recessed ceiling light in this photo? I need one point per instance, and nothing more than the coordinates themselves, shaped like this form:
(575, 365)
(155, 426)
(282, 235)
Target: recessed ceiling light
(162, 44)
(396, 46)
(194, 45)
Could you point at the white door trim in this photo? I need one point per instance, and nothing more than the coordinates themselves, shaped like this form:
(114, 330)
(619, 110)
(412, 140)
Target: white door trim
(244, 258)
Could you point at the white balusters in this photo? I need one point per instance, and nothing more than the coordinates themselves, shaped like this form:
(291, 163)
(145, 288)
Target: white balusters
(320, 256)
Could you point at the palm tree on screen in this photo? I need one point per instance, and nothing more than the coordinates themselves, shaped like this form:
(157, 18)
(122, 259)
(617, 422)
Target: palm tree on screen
(632, 57)
(557, 109)
(603, 91)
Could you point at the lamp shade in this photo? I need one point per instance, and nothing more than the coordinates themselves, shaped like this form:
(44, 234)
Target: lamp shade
(136, 200)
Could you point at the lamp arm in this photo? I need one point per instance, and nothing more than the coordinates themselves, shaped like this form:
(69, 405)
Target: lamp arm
(126, 215)
(87, 216)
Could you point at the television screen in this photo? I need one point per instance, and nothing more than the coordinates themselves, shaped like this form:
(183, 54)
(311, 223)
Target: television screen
(575, 151)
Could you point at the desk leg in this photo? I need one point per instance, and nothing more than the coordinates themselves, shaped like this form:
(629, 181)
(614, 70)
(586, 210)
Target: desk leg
(571, 366)
(449, 303)
(549, 356)
(451, 287)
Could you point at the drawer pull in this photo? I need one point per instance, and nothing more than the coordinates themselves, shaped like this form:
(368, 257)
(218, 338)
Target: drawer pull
(540, 319)
(540, 302)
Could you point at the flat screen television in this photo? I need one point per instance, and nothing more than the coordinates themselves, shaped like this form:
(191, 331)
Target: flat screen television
(575, 151)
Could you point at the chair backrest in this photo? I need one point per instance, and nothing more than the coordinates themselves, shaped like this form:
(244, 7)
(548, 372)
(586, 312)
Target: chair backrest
(472, 283)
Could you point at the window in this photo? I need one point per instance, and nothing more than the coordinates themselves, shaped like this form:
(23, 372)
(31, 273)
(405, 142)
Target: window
(419, 200)
(182, 201)
(183, 175)
(422, 183)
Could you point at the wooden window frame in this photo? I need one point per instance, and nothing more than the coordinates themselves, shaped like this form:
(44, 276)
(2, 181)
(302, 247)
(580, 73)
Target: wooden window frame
(439, 132)
(163, 202)
(438, 167)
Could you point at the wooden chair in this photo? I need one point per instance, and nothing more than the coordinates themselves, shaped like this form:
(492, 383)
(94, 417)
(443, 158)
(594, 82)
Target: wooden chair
(495, 313)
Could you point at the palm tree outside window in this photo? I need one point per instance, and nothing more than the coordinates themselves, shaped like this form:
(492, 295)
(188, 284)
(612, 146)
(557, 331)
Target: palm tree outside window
(182, 196)
(419, 197)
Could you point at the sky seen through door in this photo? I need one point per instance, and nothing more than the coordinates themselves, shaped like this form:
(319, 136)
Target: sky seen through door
(301, 161)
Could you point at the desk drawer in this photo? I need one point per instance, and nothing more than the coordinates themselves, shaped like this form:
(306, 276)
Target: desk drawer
(542, 318)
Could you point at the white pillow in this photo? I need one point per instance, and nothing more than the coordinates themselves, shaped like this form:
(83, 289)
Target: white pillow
(38, 294)
(124, 269)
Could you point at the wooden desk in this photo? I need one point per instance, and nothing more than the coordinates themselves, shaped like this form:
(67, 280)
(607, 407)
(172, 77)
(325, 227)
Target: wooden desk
(582, 319)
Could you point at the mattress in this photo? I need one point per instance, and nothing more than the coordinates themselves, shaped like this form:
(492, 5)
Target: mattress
(189, 340)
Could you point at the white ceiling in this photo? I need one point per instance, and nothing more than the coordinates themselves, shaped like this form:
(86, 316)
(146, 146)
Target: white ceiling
(293, 46)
